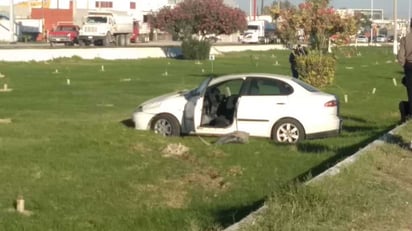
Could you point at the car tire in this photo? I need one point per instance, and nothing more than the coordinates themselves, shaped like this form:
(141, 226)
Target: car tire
(166, 125)
(288, 131)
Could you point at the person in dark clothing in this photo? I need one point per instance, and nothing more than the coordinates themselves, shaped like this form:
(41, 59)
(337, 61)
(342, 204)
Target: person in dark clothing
(405, 60)
(298, 51)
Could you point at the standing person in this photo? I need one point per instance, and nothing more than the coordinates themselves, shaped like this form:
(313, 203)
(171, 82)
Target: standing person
(298, 51)
(405, 60)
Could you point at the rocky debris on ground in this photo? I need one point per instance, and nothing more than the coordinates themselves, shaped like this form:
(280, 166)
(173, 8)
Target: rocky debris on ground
(174, 149)
(234, 137)
(5, 121)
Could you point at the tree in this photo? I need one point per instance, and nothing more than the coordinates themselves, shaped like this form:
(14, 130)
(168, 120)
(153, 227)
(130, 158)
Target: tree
(276, 7)
(199, 17)
(317, 20)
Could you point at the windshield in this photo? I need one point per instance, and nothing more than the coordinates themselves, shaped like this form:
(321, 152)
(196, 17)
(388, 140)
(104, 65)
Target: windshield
(65, 28)
(305, 85)
(96, 19)
(201, 89)
(252, 27)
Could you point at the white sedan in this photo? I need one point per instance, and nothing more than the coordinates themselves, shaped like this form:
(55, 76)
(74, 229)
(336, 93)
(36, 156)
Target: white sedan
(283, 108)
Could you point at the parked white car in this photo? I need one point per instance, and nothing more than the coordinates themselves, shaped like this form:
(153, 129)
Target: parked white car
(362, 39)
(381, 38)
(283, 108)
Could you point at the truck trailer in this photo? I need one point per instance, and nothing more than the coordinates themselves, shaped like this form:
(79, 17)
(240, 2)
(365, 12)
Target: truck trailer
(106, 28)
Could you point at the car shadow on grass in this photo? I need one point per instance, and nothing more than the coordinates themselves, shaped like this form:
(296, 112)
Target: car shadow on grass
(128, 123)
(230, 216)
(341, 153)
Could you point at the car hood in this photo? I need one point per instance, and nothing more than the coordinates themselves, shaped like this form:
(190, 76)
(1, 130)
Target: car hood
(174, 101)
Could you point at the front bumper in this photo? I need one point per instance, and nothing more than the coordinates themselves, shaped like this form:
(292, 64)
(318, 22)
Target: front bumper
(142, 120)
(91, 37)
(60, 39)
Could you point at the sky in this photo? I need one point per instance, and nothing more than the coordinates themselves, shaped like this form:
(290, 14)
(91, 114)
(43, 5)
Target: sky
(404, 6)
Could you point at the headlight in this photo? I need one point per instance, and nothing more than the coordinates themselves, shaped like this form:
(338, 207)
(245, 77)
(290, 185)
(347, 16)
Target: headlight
(139, 109)
(151, 106)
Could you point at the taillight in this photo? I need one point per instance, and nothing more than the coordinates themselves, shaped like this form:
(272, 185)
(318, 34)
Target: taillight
(332, 103)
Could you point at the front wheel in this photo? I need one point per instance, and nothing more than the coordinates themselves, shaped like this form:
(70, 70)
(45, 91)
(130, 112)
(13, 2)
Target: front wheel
(288, 131)
(166, 125)
(106, 40)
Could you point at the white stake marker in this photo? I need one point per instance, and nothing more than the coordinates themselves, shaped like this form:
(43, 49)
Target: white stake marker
(20, 204)
(68, 81)
(373, 90)
(346, 98)
(102, 68)
(394, 82)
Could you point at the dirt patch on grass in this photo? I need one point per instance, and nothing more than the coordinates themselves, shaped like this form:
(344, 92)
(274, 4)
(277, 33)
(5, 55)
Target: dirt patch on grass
(140, 147)
(168, 194)
(176, 191)
(175, 150)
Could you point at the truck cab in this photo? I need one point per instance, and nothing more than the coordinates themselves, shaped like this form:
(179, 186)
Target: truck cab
(105, 28)
(259, 31)
(64, 32)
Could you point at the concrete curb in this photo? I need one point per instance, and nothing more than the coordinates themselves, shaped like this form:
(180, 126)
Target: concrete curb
(336, 169)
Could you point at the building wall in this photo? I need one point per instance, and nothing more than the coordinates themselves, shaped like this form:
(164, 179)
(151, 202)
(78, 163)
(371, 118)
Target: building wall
(50, 19)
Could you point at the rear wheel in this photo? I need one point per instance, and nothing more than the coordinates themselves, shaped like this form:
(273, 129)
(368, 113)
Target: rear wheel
(288, 131)
(117, 40)
(123, 40)
(166, 125)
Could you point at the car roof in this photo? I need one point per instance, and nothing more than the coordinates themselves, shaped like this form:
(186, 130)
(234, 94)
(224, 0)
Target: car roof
(252, 75)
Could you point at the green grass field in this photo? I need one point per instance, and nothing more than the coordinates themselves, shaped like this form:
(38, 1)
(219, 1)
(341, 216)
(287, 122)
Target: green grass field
(79, 167)
(374, 193)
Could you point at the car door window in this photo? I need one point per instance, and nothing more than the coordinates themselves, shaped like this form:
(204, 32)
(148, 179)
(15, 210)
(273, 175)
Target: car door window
(266, 86)
(220, 103)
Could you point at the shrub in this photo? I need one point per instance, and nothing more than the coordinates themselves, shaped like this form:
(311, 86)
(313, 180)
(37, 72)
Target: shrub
(195, 49)
(316, 68)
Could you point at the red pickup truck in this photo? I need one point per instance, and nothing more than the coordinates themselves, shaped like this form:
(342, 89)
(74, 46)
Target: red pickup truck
(64, 33)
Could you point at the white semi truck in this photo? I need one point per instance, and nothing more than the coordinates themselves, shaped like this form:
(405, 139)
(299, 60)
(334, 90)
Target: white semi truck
(259, 31)
(106, 28)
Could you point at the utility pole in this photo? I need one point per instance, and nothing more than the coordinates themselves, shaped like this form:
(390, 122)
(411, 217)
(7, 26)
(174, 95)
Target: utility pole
(11, 20)
(409, 16)
(395, 22)
(254, 9)
(74, 10)
(261, 7)
(371, 21)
